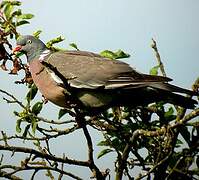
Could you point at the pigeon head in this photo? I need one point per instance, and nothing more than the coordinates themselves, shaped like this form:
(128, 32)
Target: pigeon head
(31, 46)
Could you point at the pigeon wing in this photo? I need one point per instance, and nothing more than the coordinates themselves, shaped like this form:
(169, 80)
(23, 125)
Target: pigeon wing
(89, 70)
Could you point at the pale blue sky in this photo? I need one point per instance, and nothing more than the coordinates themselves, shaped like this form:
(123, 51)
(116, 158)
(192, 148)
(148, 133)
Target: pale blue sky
(96, 25)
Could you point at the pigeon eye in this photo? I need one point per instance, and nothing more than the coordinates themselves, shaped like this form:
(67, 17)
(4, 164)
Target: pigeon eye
(29, 41)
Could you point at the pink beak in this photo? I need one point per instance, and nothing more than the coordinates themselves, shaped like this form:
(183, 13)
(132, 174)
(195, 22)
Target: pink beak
(16, 49)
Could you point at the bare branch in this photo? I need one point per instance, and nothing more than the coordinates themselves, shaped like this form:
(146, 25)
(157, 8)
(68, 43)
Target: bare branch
(82, 123)
(15, 100)
(58, 122)
(187, 118)
(8, 176)
(157, 55)
(39, 154)
(36, 168)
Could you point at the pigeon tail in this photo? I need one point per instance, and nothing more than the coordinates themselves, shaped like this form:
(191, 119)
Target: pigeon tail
(182, 101)
(173, 88)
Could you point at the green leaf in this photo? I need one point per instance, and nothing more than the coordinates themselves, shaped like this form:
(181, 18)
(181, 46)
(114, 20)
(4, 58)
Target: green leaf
(32, 93)
(104, 152)
(7, 10)
(103, 143)
(154, 70)
(121, 54)
(74, 46)
(108, 54)
(169, 115)
(174, 158)
(34, 126)
(26, 16)
(26, 130)
(16, 3)
(62, 112)
(18, 124)
(169, 112)
(7, 29)
(19, 54)
(54, 41)
(185, 134)
(36, 109)
(16, 13)
(114, 55)
(197, 161)
(37, 143)
(16, 113)
(22, 23)
(117, 144)
(37, 33)
(3, 3)
(178, 143)
(11, 36)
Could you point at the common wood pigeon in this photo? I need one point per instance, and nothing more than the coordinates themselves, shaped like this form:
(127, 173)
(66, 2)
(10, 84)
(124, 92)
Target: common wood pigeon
(93, 81)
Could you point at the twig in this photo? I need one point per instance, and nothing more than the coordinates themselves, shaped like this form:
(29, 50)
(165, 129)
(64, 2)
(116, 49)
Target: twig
(162, 130)
(187, 118)
(82, 123)
(8, 176)
(92, 165)
(1, 160)
(33, 175)
(4, 138)
(155, 166)
(47, 136)
(12, 28)
(14, 98)
(36, 168)
(39, 154)
(122, 162)
(53, 121)
(62, 168)
(157, 55)
(25, 138)
(96, 123)
(57, 131)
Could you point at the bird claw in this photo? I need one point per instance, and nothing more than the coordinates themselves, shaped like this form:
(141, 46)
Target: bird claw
(70, 105)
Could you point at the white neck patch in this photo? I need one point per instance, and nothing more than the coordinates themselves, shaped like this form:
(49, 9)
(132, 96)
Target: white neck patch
(52, 74)
(44, 54)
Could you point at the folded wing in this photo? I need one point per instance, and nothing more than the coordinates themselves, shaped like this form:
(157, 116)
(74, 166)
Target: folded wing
(89, 70)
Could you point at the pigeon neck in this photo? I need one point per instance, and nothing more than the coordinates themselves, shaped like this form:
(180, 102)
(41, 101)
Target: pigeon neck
(39, 55)
(44, 54)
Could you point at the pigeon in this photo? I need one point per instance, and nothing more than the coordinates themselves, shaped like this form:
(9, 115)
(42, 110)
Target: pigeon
(93, 82)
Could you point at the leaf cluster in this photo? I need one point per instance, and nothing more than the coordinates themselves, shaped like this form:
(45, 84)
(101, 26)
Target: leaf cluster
(12, 17)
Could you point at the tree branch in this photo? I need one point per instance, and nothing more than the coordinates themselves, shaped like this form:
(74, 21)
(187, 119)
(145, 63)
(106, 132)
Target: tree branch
(39, 154)
(36, 168)
(14, 98)
(157, 55)
(82, 123)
